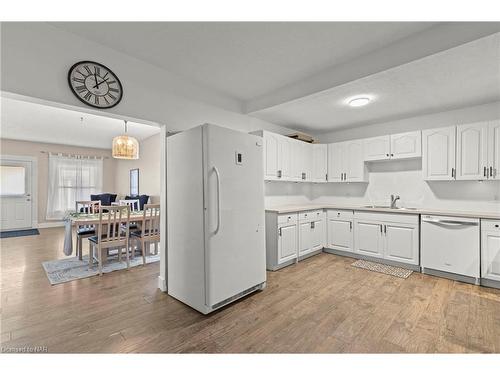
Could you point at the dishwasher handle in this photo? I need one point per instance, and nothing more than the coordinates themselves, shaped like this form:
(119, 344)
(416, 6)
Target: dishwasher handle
(449, 222)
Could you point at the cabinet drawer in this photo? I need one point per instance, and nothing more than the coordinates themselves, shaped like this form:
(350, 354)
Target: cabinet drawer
(340, 214)
(311, 215)
(490, 225)
(288, 218)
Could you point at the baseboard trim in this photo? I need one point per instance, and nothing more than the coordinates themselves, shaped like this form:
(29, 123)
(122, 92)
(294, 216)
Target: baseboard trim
(49, 224)
(451, 276)
(413, 267)
(490, 283)
(162, 284)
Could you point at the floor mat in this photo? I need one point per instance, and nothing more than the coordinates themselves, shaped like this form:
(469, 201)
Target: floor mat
(383, 268)
(19, 233)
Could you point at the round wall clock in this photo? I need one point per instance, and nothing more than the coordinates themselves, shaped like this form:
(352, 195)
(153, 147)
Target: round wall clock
(94, 84)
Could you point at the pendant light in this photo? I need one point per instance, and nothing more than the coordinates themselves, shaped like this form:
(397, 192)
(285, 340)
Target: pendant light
(125, 147)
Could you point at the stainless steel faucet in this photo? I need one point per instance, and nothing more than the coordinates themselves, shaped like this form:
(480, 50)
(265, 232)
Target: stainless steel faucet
(394, 198)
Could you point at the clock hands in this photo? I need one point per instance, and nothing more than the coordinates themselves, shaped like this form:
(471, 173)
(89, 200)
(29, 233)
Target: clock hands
(99, 83)
(95, 78)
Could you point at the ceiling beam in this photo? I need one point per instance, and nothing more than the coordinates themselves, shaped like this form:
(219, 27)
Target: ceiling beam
(433, 40)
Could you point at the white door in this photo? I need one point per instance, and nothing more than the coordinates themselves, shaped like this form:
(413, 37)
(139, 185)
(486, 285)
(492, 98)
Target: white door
(401, 243)
(340, 234)
(319, 162)
(305, 237)
(377, 148)
(271, 156)
(490, 250)
(235, 256)
(287, 242)
(354, 164)
(335, 162)
(472, 151)
(368, 238)
(318, 234)
(438, 153)
(406, 145)
(494, 150)
(15, 194)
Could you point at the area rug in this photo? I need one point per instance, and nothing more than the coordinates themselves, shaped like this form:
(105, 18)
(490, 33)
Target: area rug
(19, 233)
(383, 268)
(68, 269)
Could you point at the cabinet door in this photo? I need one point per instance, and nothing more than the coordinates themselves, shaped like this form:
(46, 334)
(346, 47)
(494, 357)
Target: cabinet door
(377, 148)
(307, 161)
(287, 243)
(271, 156)
(494, 150)
(401, 243)
(368, 238)
(319, 162)
(286, 158)
(318, 235)
(472, 151)
(340, 234)
(406, 145)
(354, 163)
(490, 255)
(438, 157)
(335, 163)
(305, 237)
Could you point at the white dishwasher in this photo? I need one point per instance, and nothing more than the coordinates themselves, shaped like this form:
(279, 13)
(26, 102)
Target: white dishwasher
(450, 244)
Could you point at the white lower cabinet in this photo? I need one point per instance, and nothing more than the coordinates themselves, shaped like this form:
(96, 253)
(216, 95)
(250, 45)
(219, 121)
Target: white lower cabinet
(340, 234)
(394, 237)
(292, 236)
(490, 249)
(311, 232)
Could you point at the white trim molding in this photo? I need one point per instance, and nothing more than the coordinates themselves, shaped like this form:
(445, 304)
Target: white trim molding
(51, 224)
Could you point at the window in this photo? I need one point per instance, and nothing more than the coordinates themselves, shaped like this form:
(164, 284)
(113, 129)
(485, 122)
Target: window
(71, 179)
(12, 180)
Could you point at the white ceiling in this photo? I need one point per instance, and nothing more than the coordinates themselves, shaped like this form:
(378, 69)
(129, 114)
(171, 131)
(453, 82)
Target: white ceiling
(245, 59)
(461, 76)
(28, 121)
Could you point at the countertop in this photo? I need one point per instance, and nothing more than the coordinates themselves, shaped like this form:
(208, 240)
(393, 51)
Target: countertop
(417, 211)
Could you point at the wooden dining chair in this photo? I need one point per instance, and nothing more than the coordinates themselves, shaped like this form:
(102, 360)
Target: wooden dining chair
(85, 231)
(150, 229)
(132, 203)
(112, 232)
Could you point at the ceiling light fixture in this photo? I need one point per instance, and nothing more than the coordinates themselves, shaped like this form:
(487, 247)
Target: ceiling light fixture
(125, 147)
(359, 101)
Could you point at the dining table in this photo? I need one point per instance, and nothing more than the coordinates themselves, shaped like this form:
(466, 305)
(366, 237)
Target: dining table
(74, 220)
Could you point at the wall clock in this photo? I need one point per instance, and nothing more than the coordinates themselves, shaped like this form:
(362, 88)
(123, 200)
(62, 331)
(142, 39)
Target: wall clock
(94, 84)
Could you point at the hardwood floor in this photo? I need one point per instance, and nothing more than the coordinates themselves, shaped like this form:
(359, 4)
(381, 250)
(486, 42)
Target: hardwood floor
(319, 305)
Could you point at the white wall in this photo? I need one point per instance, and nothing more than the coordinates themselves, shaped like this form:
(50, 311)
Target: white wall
(149, 167)
(403, 178)
(35, 58)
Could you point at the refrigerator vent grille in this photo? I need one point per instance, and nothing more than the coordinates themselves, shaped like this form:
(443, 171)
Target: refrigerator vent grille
(237, 296)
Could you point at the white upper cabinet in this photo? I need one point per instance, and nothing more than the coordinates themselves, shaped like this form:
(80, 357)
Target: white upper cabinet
(438, 153)
(406, 145)
(472, 154)
(394, 146)
(354, 164)
(319, 162)
(494, 150)
(286, 151)
(346, 162)
(335, 162)
(377, 148)
(271, 155)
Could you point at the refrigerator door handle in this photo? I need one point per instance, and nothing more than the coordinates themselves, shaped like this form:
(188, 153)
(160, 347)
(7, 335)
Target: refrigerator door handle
(218, 200)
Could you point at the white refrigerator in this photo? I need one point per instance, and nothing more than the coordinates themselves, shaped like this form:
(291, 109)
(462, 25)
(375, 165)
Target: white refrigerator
(215, 216)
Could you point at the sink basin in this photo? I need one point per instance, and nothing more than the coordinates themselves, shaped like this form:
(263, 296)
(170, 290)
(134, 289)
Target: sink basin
(389, 207)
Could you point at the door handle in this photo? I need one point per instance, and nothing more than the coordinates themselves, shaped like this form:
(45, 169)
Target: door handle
(385, 229)
(485, 173)
(218, 200)
(491, 171)
(279, 232)
(350, 226)
(449, 222)
(453, 174)
(380, 228)
(278, 174)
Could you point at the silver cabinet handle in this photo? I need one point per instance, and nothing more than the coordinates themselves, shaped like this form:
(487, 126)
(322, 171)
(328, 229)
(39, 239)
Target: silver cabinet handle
(218, 200)
(491, 171)
(385, 229)
(380, 228)
(279, 232)
(350, 226)
(485, 173)
(453, 175)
